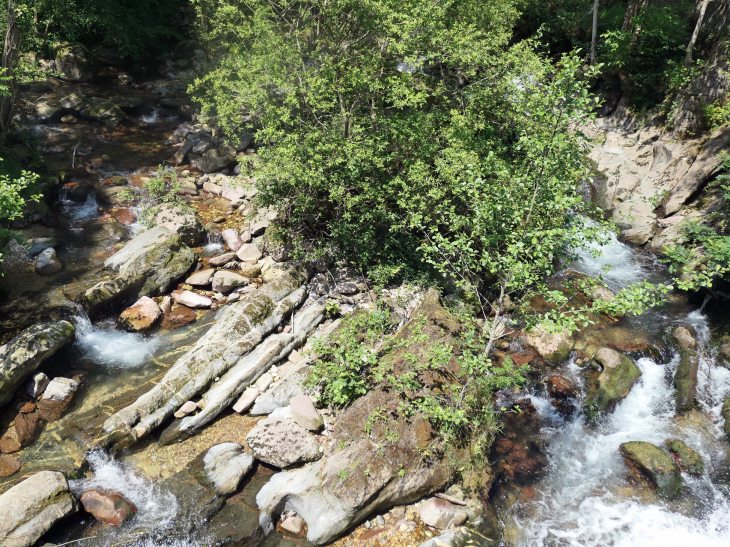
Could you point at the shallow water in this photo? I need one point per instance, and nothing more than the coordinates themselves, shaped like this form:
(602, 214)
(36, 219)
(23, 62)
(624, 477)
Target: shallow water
(587, 499)
(106, 345)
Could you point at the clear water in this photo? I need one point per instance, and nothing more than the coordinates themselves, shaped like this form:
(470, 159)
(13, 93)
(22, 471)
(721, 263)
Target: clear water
(587, 499)
(78, 213)
(108, 346)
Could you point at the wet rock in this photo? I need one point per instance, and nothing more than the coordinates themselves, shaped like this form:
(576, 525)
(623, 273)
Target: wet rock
(104, 112)
(24, 353)
(78, 191)
(233, 239)
(224, 282)
(24, 430)
(69, 119)
(37, 385)
(76, 63)
(655, 464)
(685, 378)
(292, 525)
(249, 253)
(687, 459)
(57, 398)
(618, 375)
(30, 508)
(304, 413)
(726, 416)
(48, 263)
(191, 299)
(181, 315)
(518, 451)
(140, 316)
(8, 466)
(441, 514)
(723, 355)
(108, 507)
(181, 221)
(224, 467)
(112, 195)
(553, 347)
(281, 442)
(560, 387)
(201, 278)
(222, 259)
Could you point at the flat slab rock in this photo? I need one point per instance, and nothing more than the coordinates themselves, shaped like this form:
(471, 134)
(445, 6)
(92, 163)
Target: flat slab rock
(191, 299)
(281, 442)
(442, 514)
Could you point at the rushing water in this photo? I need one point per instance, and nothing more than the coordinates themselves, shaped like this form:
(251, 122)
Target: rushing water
(106, 345)
(587, 499)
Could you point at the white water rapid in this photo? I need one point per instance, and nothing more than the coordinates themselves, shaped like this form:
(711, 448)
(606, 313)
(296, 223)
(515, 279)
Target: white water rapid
(587, 499)
(108, 346)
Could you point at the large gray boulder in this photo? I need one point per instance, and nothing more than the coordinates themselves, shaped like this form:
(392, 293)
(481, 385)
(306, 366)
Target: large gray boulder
(224, 466)
(24, 353)
(281, 442)
(76, 63)
(182, 221)
(216, 159)
(29, 509)
(148, 265)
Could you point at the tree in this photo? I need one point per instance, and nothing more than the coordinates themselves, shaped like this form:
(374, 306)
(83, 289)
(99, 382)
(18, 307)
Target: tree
(9, 83)
(594, 32)
(696, 33)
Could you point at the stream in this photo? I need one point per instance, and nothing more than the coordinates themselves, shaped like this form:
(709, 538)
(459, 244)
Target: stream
(585, 499)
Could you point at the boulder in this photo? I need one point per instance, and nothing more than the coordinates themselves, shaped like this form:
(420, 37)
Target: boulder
(201, 278)
(179, 156)
(441, 514)
(108, 507)
(24, 353)
(147, 265)
(57, 398)
(222, 259)
(726, 416)
(140, 316)
(684, 338)
(224, 467)
(182, 221)
(232, 189)
(685, 377)
(104, 112)
(232, 238)
(48, 263)
(618, 375)
(304, 413)
(8, 466)
(655, 464)
(249, 253)
(76, 63)
(216, 159)
(224, 282)
(191, 299)
(559, 387)
(250, 270)
(553, 347)
(30, 508)
(687, 458)
(281, 442)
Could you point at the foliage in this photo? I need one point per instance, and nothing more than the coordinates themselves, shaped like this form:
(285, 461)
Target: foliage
(13, 197)
(650, 52)
(345, 357)
(135, 28)
(717, 113)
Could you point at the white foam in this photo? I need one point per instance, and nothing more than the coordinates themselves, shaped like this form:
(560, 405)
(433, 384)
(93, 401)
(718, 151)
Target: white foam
(156, 508)
(112, 347)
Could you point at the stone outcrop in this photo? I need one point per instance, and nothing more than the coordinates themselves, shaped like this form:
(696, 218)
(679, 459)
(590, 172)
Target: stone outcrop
(238, 330)
(685, 377)
(687, 458)
(76, 63)
(30, 508)
(224, 467)
(183, 222)
(147, 265)
(24, 353)
(281, 442)
(441, 514)
(655, 464)
(618, 375)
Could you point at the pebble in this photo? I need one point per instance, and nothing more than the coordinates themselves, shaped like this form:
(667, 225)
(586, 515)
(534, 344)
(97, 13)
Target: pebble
(380, 520)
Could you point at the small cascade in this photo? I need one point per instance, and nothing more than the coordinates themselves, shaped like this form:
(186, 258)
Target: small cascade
(213, 244)
(78, 213)
(108, 346)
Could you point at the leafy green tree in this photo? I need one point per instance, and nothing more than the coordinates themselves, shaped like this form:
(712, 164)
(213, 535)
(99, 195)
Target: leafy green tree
(13, 197)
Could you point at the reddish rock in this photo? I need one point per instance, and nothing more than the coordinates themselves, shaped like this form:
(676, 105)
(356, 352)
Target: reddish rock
(181, 315)
(27, 426)
(27, 408)
(191, 299)
(518, 452)
(371, 533)
(57, 398)
(108, 507)
(8, 466)
(124, 216)
(9, 442)
(140, 316)
(561, 388)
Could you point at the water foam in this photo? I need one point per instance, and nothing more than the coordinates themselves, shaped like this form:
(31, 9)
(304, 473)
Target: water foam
(112, 347)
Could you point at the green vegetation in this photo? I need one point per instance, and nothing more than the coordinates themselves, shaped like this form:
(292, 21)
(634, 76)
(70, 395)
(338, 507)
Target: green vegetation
(161, 189)
(15, 190)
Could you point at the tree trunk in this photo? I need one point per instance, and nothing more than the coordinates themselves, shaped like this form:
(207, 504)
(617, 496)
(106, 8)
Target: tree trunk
(696, 33)
(10, 56)
(594, 34)
(632, 10)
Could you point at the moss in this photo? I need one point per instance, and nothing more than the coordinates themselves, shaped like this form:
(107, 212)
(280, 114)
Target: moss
(687, 458)
(655, 464)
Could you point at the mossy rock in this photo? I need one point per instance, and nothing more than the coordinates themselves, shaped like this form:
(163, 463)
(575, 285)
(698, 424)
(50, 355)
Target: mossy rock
(655, 464)
(553, 347)
(726, 415)
(618, 375)
(685, 379)
(687, 459)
